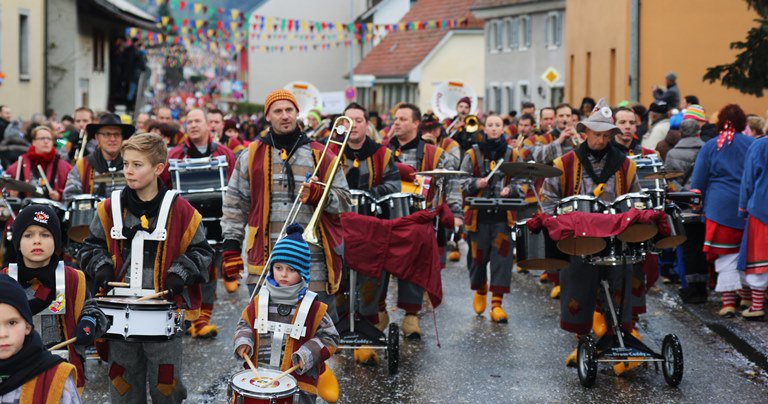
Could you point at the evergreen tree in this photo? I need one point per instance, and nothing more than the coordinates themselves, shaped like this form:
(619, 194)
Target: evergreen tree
(749, 72)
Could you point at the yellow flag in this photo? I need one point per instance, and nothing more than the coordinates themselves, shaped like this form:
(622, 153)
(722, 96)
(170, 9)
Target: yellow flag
(232, 26)
(198, 7)
(198, 23)
(165, 19)
(235, 13)
(238, 47)
(133, 32)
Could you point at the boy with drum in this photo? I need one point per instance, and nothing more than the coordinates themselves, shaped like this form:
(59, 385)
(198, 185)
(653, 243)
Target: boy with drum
(59, 300)
(26, 367)
(489, 230)
(274, 321)
(176, 266)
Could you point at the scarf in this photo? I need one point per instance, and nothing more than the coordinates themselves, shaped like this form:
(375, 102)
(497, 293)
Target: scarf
(289, 295)
(139, 208)
(368, 149)
(726, 135)
(40, 158)
(45, 277)
(493, 149)
(29, 362)
(614, 160)
(288, 144)
(195, 153)
(100, 164)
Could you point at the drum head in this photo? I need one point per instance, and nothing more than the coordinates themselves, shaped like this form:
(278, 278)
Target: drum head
(248, 385)
(151, 304)
(671, 242)
(638, 233)
(79, 233)
(581, 245)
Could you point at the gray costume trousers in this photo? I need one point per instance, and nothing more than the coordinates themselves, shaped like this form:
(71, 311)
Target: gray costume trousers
(491, 243)
(133, 365)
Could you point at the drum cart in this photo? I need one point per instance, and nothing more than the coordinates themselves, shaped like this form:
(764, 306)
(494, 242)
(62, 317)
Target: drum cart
(355, 331)
(621, 346)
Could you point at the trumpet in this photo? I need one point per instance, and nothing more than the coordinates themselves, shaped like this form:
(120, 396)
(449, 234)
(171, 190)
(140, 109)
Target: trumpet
(310, 230)
(471, 124)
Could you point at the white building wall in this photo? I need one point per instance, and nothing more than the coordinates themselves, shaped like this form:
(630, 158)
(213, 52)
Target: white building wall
(323, 68)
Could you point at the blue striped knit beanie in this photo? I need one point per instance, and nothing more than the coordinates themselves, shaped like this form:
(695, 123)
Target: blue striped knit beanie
(293, 250)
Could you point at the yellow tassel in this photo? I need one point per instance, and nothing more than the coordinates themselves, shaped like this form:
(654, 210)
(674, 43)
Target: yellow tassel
(144, 222)
(283, 155)
(356, 163)
(397, 153)
(493, 165)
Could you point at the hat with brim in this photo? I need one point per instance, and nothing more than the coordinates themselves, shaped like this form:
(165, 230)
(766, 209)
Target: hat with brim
(600, 120)
(110, 120)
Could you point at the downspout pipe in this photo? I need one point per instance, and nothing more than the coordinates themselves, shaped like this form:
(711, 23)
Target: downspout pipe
(634, 50)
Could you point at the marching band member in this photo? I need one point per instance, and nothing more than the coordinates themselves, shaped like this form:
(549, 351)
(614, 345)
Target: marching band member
(177, 265)
(314, 128)
(284, 293)
(233, 137)
(416, 155)
(559, 137)
(42, 153)
(457, 132)
(28, 369)
(754, 257)
(626, 140)
(260, 194)
(37, 241)
(597, 168)
(199, 144)
(719, 165)
(369, 167)
(109, 133)
(489, 231)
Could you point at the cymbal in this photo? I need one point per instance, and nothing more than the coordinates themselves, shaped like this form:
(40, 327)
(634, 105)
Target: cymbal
(529, 170)
(663, 175)
(16, 185)
(109, 179)
(443, 173)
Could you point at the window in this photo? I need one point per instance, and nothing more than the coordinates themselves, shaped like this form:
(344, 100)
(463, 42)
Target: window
(553, 29)
(487, 98)
(524, 95)
(510, 97)
(98, 51)
(499, 35)
(496, 38)
(513, 33)
(525, 31)
(24, 44)
(497, 99)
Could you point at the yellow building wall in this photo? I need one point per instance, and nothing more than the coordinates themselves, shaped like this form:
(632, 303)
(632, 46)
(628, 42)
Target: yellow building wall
(24, 97)
(461, 58)
(687, 36)
(596, 50)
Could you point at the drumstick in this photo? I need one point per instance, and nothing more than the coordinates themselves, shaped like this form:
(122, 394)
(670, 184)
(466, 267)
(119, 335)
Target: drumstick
(281, 375)
(18, 168)
(43, 176)
(119, 284)
(153, 296)
(250, 364)
(62, 344)
(498, 165)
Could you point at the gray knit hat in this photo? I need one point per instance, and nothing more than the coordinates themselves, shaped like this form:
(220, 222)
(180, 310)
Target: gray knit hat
(601, 120)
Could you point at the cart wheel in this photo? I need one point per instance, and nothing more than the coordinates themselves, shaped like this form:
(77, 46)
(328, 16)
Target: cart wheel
(393, 349)
(586, 359)
(672, 352)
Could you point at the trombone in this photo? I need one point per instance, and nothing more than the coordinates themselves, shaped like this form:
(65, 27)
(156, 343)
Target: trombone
(342, 126)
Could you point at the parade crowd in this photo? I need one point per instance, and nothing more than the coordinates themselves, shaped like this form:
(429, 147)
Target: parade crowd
(104, 214)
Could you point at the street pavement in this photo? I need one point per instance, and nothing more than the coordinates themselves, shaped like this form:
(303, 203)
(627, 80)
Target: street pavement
(480, 361)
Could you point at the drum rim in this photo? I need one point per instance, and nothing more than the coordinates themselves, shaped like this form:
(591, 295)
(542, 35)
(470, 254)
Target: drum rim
(285, 393)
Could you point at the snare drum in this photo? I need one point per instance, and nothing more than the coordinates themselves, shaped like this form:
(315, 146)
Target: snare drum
(82, 210)
(363, 203)
(245, 388)
(537, 250)
(400, 204)
(581, 245)
(202, 182)
(637, 232)
(147, 321)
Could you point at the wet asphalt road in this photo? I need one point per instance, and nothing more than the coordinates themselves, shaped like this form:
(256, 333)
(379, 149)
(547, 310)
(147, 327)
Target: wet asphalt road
(480, 361)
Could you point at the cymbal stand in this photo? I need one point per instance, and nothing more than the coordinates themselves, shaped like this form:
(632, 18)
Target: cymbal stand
(4, 198)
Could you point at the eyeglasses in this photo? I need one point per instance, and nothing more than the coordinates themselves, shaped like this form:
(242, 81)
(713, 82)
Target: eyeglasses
(110, 134)
(43, 139)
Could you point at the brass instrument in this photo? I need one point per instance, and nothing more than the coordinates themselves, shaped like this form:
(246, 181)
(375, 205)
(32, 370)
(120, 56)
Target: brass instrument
(471, 124)
(576, 138)
(83, 142)
(310, 231)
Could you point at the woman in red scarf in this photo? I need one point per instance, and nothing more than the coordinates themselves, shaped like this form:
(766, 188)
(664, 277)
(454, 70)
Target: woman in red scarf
(43, 153)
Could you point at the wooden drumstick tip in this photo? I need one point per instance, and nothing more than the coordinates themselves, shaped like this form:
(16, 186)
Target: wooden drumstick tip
(62, 344)
(153, 296)
(119, 284)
